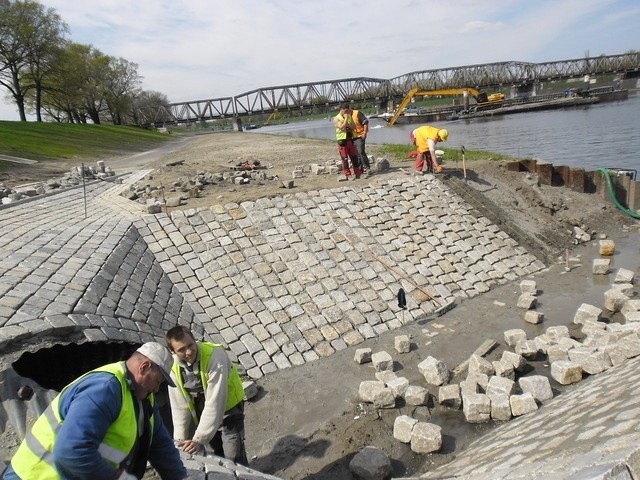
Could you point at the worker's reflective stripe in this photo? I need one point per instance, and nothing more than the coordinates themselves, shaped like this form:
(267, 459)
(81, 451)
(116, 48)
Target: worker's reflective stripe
(111, 454)
(34, 444)
(54, 423)
(38, 449)
(235, 391)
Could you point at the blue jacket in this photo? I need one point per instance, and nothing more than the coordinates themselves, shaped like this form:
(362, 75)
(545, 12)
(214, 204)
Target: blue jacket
(89, 407)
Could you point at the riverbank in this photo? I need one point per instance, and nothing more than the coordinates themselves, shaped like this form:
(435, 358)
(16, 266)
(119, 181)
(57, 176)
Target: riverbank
(306, 421)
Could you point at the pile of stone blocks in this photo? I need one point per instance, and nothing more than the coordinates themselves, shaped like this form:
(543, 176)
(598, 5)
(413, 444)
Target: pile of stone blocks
(73, 178)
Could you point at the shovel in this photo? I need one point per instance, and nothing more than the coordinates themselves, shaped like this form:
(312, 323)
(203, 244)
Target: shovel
(464, 165)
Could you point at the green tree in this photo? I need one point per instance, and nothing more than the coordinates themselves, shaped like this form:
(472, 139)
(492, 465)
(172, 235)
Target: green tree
(121, 87)
(30, 35)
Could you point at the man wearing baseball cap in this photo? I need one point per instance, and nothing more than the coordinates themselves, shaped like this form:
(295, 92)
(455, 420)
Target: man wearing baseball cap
(104, 426)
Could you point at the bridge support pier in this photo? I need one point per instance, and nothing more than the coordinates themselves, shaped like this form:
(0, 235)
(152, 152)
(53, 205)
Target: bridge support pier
(237, 124)
(528, 90)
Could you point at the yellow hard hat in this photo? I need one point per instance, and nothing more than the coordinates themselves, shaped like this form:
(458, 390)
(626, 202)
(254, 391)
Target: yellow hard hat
(443, 134)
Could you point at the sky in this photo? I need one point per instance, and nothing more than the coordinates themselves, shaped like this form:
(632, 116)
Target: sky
(203, 49)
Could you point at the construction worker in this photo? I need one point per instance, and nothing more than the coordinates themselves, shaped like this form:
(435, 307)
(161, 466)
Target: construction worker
(207, 406)
(425, 139)
(362, 129)
(104, 426)
(345, 135)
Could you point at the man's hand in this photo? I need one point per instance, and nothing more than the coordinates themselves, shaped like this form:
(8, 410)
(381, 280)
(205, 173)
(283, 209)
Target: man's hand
(189, 446)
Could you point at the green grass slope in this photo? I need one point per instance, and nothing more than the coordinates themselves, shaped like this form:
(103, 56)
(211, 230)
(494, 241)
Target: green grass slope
(64, 141)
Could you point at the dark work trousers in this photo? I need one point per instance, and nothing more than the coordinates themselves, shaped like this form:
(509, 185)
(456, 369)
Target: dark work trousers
(347, 151)
(228, 442)
(359, 143)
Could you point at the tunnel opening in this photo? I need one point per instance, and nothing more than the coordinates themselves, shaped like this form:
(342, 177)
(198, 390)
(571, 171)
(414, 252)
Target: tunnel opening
(55, 367)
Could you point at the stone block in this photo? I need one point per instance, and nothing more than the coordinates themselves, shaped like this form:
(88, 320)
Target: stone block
(556, 353)
(500, 407)
(476, 408)
(426, 438)
(626, 288)
(527, 301)
(434, 371)
(382, 361)
(601, 266)
(385, 398)
(398, 386)
(385, 376)
(416, 395)
(528, 349)
(518, 361)
(616, 354)
(481, 380)
(368, 390)
(557, 332)
(370, 463)
(543, 342)
(591, 361)
(514, 336)
(477, 364)
(362, 355)
(522, 404)
(566, 372)
(538, 386)
(504, 369)
(500, 385)
(403, 427)
(630, 345)
(449, 396)
(402, 343)
(250, 389)
(632, 317)
(532, 316)
(624, 275)
(529, 286)
(468, 387)
(586, 313)
(631, 306)
(606, 247)
(614, 299)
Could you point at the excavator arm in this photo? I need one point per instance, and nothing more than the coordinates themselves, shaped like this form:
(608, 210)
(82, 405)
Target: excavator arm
(480, 97)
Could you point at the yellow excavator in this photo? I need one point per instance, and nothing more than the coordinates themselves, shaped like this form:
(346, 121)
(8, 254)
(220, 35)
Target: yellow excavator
(482, 99)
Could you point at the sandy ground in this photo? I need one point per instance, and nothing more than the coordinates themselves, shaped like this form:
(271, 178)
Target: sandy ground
(307, 423)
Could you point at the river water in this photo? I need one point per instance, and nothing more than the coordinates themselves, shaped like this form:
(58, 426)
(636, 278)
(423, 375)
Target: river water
(600, 135)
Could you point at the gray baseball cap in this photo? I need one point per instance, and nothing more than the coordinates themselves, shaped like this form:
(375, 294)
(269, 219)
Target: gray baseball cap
(159, 354)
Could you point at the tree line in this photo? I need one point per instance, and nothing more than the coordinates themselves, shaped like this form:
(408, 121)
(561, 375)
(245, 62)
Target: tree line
(52, 78)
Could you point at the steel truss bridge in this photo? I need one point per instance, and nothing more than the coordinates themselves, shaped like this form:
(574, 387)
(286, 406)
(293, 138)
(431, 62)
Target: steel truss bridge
(364, 90)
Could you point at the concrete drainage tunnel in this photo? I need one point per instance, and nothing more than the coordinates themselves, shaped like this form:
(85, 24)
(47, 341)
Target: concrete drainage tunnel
(35, 377)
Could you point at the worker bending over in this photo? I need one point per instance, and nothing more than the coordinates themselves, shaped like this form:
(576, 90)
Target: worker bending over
(207, 406)
(425, 139)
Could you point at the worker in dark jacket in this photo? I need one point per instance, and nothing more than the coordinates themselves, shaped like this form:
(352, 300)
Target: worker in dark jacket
(104, 426)
(362, 130)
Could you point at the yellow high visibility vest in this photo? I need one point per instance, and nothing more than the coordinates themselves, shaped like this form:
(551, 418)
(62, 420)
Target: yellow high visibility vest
(34, 458)
(342, 134)
(235, 392)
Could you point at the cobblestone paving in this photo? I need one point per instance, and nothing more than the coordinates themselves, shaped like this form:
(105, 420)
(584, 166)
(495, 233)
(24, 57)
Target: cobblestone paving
(281, 281)
(591, 432)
